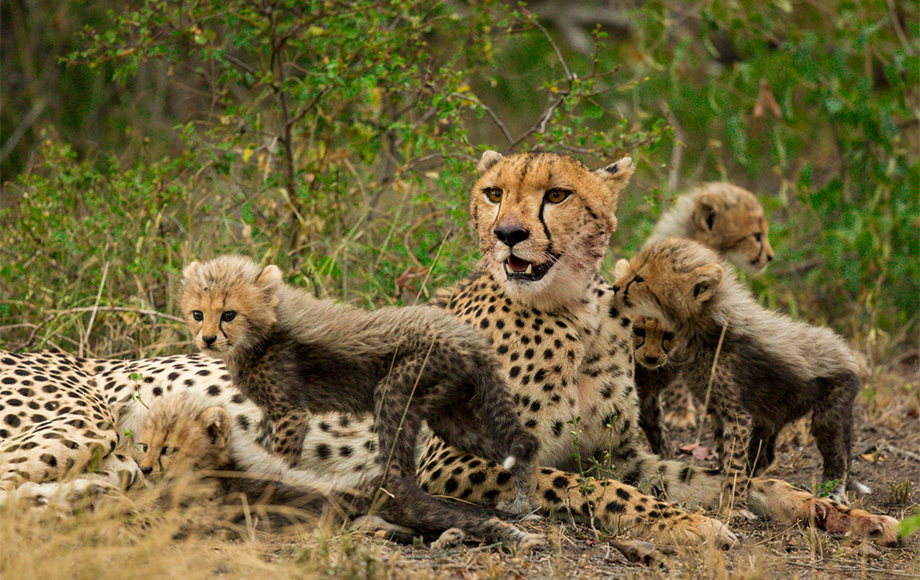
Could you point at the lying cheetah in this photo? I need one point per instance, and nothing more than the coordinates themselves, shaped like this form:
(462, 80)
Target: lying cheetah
(769, 370)
(544, 221)
(294, 355)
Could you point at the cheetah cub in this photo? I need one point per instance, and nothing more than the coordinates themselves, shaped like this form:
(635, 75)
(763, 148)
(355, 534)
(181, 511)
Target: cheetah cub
(770, 369)
(193, 448)
(730, 220)
(294, 354)
(727, 218)
(655, 351)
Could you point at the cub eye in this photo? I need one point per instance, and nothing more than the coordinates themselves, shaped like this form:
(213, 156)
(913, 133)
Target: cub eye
(167, 451)
(638, 331)
(557, 195)
(197, 315)
(493, 194)
(144, 447)
(668, 336)
(758, 237)
(638, 279)
(228, 316)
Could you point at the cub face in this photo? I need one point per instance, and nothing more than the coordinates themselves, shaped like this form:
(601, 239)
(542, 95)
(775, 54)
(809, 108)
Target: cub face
(731, 221)
(672, 280)
(176, 439)
(653, 341)
(229, 302)
(544, 221)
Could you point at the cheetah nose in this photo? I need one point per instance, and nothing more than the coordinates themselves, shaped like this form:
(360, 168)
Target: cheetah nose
(511, 235)
(146, 470)
(651, 360)
(208, 340)
(769, 257)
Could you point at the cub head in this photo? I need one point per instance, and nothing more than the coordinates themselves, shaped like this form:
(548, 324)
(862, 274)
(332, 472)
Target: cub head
(654, 342)
(229, 303)
(674, 280)
(544, 221)
(178, 438)
(731, 221)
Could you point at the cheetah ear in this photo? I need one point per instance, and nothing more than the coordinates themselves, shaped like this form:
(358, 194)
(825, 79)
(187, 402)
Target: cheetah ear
(705, 210)
(217, 424)
(621, 269)
(269, 279)
(488, 159)
(707, 278)
(615, 176)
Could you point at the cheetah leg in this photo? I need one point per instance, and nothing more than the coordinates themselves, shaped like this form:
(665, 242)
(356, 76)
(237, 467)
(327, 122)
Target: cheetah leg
(398, 421)
(681, 409)
(617, 507)
(650, 422)
(778, 500)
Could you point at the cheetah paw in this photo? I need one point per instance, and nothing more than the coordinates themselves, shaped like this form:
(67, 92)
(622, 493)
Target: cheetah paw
(697, 529)
(450, 537)
(680, 419)
(640, 552)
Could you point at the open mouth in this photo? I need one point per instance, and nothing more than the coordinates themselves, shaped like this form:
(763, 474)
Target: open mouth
(518, 269)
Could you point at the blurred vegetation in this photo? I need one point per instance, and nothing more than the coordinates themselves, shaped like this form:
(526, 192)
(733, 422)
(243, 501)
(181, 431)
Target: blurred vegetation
(339, 139)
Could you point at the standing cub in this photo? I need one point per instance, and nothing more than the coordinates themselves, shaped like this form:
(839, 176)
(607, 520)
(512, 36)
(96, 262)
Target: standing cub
(294, 354)
(770, 369)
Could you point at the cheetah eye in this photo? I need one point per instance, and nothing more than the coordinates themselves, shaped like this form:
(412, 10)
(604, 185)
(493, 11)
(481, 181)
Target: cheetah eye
(144, 447)
(638, 279)
(228, 316)
(638, 331)
(167, 451)
(668, 336)
(197, 315)
(758, 237)
(493, 194)
(557, 195)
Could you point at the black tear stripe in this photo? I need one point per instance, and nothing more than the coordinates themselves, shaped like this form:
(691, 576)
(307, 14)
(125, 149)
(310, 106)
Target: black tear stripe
(549, 236)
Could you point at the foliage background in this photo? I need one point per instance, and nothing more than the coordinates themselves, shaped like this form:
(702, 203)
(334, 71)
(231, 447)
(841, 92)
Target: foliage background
(339, 139)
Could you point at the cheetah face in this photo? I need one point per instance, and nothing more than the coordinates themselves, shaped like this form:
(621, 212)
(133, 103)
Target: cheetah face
(672, 280)
(229, 303)
(731, 221)
(544, 221)
(176, 440)
(654, 342)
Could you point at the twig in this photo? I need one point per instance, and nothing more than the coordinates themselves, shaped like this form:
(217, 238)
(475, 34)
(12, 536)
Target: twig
(902, 452)
(677, 153)
(153, 313)
(712, 377)
(860, 568)
(92, 317)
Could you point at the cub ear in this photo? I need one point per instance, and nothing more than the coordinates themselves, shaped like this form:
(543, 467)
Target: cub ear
(269, 279)
(705, 210)
(189, 272)
(621, 269)
(488, 159)
(217, 425)
(707, 280)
